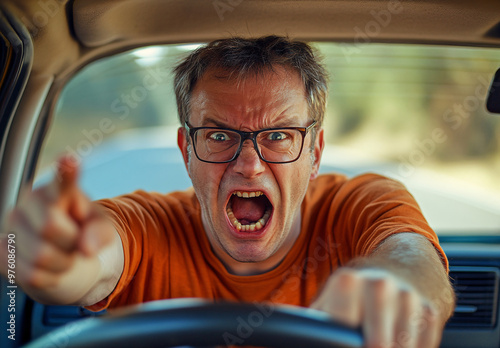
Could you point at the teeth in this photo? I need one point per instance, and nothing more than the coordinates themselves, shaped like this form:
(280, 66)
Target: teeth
(255, 226)
(244, 194)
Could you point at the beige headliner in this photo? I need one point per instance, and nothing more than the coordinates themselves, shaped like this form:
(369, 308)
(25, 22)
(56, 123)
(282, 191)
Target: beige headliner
(82, 30)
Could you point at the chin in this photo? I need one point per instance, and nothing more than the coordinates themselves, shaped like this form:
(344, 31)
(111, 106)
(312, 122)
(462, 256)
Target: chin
(249, 254)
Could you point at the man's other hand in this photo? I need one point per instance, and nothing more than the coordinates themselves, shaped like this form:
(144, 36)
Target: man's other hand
(389, 311)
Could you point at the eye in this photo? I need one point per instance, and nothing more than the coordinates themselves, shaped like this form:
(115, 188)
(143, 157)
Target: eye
(277, 136)
(219, 136)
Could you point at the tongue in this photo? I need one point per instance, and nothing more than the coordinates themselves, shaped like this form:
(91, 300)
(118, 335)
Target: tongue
(249, 209)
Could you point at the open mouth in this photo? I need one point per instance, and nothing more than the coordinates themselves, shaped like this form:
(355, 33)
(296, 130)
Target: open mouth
(249, 211)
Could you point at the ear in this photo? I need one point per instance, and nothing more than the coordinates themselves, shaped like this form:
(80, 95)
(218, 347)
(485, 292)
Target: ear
(182, 142)
(318, 151)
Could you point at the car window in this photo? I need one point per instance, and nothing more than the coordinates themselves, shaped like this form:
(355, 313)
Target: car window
(415, 113)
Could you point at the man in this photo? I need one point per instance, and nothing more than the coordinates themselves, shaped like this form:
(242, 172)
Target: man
(260, 224)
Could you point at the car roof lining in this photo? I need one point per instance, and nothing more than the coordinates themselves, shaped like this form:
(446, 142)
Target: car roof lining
(80, 31)
(187, 21)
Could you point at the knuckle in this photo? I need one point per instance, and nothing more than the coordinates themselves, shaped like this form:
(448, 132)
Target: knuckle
(34, 279)
(408, 299)
(47, 231)
(42, 258)
(51, 259)
(383, 290)
(377, 284)
(345, 279)
(50, 225)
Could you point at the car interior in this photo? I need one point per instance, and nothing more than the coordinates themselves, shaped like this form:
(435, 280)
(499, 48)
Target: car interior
(420, 79)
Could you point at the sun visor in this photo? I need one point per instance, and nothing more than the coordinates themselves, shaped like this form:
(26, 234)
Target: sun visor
(493, 101)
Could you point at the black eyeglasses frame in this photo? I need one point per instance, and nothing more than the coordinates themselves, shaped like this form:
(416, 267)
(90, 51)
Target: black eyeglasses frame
(251, 136)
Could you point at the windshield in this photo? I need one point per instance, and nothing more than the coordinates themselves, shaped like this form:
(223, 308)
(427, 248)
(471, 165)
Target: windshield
(414, 113)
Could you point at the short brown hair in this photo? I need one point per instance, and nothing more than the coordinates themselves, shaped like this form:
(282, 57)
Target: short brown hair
(241, 57)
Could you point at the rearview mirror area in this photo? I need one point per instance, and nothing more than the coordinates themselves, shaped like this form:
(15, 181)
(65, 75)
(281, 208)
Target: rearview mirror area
(493, 101)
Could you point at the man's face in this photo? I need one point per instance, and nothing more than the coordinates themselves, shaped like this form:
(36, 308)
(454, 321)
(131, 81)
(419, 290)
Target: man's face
(272, 99)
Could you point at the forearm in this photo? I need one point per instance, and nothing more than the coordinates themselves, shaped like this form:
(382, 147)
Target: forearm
(413, 259)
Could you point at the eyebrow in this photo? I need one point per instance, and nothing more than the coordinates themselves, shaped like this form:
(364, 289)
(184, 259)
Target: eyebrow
(208, 122)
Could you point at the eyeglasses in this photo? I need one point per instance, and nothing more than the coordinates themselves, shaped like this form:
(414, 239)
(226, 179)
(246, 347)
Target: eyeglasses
(273, 145)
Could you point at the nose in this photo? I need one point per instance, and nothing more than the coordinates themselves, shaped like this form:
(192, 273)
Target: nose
(248, 162)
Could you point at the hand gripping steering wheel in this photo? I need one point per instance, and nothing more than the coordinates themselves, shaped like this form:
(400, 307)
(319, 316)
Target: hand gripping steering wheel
(188, 322)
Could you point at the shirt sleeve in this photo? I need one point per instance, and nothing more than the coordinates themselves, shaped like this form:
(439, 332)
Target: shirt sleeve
(132, 217)
(374, 208)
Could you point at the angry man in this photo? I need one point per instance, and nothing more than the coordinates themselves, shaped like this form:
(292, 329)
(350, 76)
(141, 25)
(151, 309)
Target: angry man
(259, 224)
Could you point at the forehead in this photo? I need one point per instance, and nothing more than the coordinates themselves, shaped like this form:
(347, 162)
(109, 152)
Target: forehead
(264, 97)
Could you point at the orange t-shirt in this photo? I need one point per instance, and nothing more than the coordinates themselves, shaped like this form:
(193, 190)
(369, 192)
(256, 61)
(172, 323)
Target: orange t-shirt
(167, 254)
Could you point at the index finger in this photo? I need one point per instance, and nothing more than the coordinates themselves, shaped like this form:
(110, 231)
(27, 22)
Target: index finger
(65, 192)
(66, 178)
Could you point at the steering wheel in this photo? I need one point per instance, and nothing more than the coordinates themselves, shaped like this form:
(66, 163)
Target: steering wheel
(194, 322)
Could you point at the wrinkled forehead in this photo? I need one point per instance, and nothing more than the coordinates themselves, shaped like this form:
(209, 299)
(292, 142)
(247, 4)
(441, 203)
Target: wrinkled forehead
(276, 83)
(268, 94)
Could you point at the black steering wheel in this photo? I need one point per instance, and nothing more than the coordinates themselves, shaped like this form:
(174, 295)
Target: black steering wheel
(188, 322)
